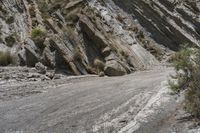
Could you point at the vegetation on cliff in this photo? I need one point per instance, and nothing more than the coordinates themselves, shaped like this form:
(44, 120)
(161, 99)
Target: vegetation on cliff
(187, 65)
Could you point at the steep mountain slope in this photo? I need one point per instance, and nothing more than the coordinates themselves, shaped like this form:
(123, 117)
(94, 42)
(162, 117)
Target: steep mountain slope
(169, 22)
(69, 35)
(81, 37)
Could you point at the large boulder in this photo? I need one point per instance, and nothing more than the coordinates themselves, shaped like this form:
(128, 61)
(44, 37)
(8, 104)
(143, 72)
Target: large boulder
(113, 68)
(32, 56)
(48, 55)
(22, 57)
(61, 47)
(91, 31)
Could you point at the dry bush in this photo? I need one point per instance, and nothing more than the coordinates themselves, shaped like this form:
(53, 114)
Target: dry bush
(99, 65)
(38, 35)
(5, 58)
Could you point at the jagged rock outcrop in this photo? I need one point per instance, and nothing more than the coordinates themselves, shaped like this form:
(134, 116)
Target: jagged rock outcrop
(70, 35)
(113, 68)
(169, 22)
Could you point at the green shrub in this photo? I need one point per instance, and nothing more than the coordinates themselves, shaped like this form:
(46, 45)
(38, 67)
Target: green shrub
(5, 58)
(179, 83)
(192, 97)
(188, 61)
(38, 33)
(182, 59)
(174, 86)
(183, 65)
(38, 36)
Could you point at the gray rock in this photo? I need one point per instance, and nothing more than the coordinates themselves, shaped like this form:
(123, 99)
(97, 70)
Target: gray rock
(43, 78)
(106, 51)
(48, 58)
(32, 57)
(22, 57)
(40, 68)
(33, 76)
(50, 74)
(64, 52)
(113, 68)
(111, 57)
(101, 74)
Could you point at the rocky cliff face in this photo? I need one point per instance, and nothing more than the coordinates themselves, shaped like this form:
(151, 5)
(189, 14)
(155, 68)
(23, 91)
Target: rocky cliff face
(81, 37)
(168, 22)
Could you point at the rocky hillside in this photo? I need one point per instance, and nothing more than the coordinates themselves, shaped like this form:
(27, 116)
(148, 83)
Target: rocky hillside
(82, 37)
(168, 22)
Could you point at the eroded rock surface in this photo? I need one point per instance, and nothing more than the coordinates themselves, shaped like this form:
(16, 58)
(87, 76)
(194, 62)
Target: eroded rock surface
(169, 22)
(76, 33)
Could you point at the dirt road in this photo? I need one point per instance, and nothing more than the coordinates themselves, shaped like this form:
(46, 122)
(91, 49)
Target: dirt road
(90, 104)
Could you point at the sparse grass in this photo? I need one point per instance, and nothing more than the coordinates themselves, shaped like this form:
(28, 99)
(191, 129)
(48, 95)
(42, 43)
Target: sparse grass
(5, 58)
(182, 59)
(183, 65)
(38, 33)
(179, 83)
(174, 86)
